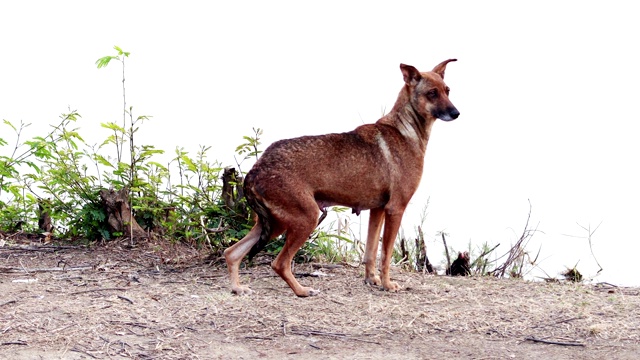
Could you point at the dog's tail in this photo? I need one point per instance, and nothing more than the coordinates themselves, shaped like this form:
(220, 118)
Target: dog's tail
(263, 217)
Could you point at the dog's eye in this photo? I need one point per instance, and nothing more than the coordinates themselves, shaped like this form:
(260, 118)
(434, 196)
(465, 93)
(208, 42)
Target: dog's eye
(447, 90)
(432, 94)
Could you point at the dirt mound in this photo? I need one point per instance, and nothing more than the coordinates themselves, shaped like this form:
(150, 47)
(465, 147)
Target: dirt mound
(172, 303)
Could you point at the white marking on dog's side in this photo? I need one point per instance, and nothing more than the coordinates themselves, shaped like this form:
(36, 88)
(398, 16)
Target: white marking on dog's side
(384, 148)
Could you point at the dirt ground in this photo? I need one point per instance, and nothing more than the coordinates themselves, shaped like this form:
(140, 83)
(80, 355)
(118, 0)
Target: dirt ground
(173, 302)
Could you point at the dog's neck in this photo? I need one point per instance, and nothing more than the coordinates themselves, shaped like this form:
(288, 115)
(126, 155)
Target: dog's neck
(405, 118)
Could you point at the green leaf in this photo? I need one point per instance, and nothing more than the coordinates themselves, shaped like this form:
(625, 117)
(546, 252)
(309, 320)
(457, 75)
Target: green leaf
(10, 124)
(111, 139)
(102, 160)
(33, 166)
(104, 61)
(158, 165)
(73, 116)
(190, 165)
(113, 126)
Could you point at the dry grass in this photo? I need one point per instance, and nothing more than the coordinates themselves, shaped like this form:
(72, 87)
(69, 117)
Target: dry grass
(172, 303)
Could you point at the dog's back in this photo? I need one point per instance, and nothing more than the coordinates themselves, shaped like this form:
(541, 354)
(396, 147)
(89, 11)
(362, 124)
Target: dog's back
(353, 169)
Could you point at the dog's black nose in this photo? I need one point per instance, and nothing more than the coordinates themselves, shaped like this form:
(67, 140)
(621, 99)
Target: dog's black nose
(454, 113)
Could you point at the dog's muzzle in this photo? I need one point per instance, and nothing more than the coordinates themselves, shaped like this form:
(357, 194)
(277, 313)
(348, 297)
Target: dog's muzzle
(450, 114)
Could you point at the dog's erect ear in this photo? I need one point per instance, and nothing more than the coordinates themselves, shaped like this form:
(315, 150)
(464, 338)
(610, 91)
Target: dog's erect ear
(439, 69)
(410, 74)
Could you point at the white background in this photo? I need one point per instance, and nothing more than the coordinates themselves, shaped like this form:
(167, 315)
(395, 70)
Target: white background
(547, 91)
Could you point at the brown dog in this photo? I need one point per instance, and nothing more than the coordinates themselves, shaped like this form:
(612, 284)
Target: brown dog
(376, 166)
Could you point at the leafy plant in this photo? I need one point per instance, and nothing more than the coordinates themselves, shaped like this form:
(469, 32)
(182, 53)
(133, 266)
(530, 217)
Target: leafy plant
(61, 170)
(250, 147)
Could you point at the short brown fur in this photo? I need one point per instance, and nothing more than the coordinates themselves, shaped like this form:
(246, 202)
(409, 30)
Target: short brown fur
(375, 167)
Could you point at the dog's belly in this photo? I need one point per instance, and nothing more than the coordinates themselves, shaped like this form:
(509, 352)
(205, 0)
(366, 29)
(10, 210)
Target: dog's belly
(357, 202)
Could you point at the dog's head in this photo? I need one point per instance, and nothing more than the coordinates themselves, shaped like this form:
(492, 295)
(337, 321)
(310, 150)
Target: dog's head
(429, 95)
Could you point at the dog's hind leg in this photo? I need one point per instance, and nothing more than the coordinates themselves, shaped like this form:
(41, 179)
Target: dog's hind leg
(236, 253)
(299, 227)
(376, 219)
(392, 221)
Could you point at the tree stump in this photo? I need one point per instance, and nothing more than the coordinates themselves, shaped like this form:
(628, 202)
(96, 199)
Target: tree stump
(44, 216)
(422, 260)
(460, 266)
(233, 192)
(119, 219)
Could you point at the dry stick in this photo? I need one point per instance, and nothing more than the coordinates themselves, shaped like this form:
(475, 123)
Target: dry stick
(258, 338)
(25, 249)
(327, 266)
(45, 248)
(140, 325)
(126, 299)
(337, 335)
(553, 342)
(23, 268)
(559, 322)
(8, 302)
(485, 253)
(488, 251)
(19, 342)
(590, 246)
(95, 290)
(518, 249)
(446, 249)
(16, 270)
(82, 351)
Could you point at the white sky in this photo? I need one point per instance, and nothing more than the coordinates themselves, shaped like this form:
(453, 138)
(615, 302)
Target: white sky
(547, 92)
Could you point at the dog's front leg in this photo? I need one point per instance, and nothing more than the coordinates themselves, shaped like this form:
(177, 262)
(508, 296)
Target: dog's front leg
(376, 219)
(391, 225)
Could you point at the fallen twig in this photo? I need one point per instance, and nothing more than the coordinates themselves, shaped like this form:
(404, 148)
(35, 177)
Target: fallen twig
(82, 351)
(553, 342)
(126, 299)
(18, 342)
(44, 248)
(558, 322)
(327, 266)
(8, 302)
(322, 333)
(258, 338)
(96, 290)
(313, 274)
(140, 325)
(55, 269)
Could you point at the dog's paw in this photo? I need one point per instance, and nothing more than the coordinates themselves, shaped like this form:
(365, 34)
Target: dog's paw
(307, 291)
(242, 290)
(391, 286)
(372, 280)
